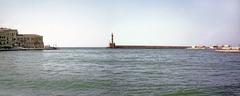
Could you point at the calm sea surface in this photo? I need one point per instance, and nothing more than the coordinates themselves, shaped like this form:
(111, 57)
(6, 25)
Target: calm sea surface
(119, 72)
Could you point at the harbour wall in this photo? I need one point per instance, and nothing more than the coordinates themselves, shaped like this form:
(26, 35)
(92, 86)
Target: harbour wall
(149, 47)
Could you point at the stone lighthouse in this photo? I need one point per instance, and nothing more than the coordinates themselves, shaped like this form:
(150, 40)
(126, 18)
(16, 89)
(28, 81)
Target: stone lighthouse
(112, 44)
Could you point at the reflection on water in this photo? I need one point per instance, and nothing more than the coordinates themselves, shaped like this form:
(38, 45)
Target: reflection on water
(119, 72)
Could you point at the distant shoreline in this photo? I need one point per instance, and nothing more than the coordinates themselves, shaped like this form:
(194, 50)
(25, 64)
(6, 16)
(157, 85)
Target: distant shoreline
(27, 49)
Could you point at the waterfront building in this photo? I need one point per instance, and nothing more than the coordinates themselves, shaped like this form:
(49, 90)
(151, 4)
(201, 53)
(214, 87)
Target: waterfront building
(200, 47)
(226, 47)
(235, 48)
(9, 38)
(216, 47)
(30, 41)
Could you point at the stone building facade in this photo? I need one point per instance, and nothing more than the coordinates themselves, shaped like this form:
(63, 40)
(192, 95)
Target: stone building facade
(9, 38)
(30, 41)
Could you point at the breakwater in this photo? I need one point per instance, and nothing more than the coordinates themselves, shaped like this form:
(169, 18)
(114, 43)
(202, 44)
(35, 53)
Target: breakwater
(149, 47)
(113, 45)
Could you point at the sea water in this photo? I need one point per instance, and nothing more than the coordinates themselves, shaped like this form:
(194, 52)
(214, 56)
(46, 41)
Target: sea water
(119, 72)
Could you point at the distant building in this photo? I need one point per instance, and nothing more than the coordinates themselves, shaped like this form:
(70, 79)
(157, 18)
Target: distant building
(226, 47)
(216, 47)
(9, 38)
(30, 41)
(235, 48)
(200, 47)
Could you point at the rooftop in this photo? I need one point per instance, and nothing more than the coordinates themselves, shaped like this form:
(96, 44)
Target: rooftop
(5, 29)
(28, 35)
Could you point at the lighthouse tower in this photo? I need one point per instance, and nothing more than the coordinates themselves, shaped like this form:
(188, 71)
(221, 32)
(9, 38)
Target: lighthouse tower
(112, 44)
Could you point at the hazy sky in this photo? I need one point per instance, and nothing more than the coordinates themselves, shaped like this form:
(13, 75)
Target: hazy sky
(152, 22)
